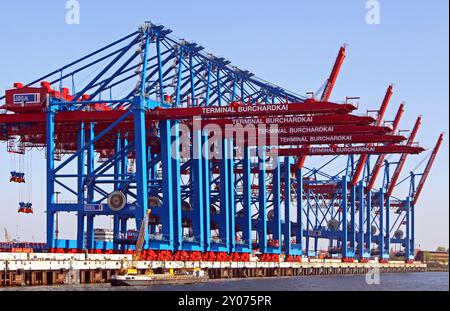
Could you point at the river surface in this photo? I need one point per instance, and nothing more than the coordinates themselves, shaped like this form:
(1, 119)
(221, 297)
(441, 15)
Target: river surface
(418, 281)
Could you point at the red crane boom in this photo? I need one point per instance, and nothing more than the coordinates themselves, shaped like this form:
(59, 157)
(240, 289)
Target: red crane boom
(328, 88)
(363, 158)
(381, 157)
(428, 168)
(333, 75)
(403, 157)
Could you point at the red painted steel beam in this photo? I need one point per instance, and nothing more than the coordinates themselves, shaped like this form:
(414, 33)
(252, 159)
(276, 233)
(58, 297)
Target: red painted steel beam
(94, 116)
(64, 116)
(308, 107)
(363, 159)
(403, 157)
(384, 105)
(283, 139)
(321, 130)
(62, 125)
(381, 157)
(334, 74)
(328, 139)
(336, 150)
(308, 120)
(428, 168)
(22, 117)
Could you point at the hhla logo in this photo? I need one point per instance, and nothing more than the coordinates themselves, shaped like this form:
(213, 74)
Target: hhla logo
(73, 13)
(373, 12)
(373, 276)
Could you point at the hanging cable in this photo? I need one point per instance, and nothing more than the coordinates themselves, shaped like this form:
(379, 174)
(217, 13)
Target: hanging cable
(422, 161)
(21, 196)
(30, 177)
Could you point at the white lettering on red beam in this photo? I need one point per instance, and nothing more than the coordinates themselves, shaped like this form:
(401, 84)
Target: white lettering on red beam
(275, 120)
(305, 139)
(297, 130)
(350, 150)
(342, 149)
(245, 108)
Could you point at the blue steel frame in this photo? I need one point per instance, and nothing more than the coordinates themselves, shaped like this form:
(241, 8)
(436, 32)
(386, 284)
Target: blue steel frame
(169, 73)
(213, 207)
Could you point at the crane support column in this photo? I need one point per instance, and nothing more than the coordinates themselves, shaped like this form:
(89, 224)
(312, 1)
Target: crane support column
(50, 154)
(369, 221)
(344, 233)
(206, 169)
(119, 177)
(231, 194)
(223, 218)
(166, 213)
(80, 188)
(197, 188)
(90, 184)
(276, 221)
(412, 247)
(299, 232)
(308, 223)
(381, 223)
(388, 226)
(352, 218)
(361, 214)
(141, 163)
(262, 200)
(407, 203)
(176, 189)
(246, 224)
(118, 163)
(287, 206)
(89, 231)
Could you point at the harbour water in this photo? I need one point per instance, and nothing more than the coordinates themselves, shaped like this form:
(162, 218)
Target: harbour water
(420, 281)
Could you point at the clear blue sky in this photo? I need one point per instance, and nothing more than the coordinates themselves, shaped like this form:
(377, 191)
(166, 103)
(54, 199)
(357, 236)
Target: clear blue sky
(290, 43)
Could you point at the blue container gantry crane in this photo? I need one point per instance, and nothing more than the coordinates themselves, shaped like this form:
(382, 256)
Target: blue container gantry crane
(201, 202)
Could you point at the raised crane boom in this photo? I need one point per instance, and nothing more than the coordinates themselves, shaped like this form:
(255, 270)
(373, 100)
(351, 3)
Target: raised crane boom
(381, 157)
(328, 87)
(381, 112)
(333, 75)
(428, 168)
(403, 157)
